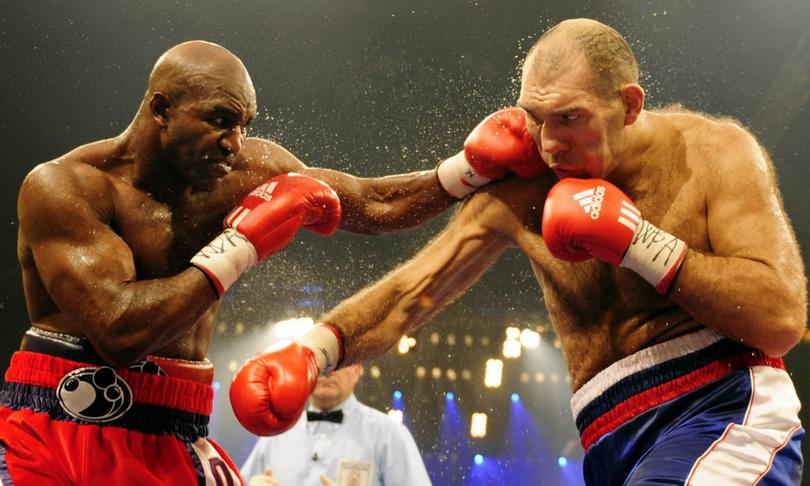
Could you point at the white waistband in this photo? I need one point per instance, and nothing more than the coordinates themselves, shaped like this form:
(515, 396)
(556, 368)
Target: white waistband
(641, 360)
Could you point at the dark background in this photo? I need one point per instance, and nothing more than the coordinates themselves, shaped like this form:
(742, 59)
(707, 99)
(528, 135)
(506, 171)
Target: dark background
(380, 87)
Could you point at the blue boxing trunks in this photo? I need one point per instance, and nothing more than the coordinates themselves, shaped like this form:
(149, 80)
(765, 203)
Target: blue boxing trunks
(699, 409)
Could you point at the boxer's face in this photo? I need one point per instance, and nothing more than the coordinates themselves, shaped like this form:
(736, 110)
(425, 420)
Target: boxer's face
(577, 130)
(335, 387)
(205, 131)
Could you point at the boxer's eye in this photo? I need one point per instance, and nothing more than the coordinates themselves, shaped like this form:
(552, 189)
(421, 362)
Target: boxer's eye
(569, 116)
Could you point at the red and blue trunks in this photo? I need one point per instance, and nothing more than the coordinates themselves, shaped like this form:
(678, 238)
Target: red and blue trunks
(697, 410)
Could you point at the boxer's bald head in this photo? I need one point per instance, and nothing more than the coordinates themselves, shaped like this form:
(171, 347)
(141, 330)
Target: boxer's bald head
(200, 69)
(609, 58)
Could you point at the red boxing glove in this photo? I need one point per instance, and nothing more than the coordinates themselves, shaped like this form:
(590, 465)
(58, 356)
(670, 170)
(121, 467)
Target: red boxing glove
(270, 390)
(592, 217)
(498, 145)
(265, 222)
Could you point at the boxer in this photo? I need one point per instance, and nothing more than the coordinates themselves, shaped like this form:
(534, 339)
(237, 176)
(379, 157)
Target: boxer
(125, 258)
(668, 266)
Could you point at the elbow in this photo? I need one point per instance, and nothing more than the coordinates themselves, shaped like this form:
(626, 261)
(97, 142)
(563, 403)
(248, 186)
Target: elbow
(119, 350)
(784, 334)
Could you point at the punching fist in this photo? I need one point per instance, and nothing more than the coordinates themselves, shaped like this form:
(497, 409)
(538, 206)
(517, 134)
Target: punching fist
(264, 222)
(498, 145)
(592, 217)
(270, 391)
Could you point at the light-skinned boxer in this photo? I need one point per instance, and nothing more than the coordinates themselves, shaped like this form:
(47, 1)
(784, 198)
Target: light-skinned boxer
(668, 266)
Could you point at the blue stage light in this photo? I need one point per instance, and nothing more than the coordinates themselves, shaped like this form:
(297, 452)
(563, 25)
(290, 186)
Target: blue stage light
(478, 459)
(515, 397)
(562, 461)
(397, 395)
(450, 395)
(217, 385)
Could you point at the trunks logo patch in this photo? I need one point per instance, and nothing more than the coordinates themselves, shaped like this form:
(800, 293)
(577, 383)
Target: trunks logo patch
(94, 394)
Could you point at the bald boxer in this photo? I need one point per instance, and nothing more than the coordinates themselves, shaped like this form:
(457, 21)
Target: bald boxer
(124, 258)
(667, 263)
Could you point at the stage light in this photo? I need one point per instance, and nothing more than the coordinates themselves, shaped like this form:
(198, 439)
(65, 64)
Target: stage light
(421, 371)
(555, 377)
(239, 328)
(396, 415)
(529, 339)
(478, 425)
(512, 332)
(451, 374)
(515, 397)
(451, 339)
(216, 385)
(449, 396)
(404, 346)
(539, 377)
(468, 340)
(478, 459)
(494, 373)
(411, 341)
(292, 328)
(232, 365)
(557, 343)
(524, 377)
(436, 373)
(434, 338)
(397, 395)
(466, 375)
(511, 348)
(374, 371)
(562, 461)
(485, 341)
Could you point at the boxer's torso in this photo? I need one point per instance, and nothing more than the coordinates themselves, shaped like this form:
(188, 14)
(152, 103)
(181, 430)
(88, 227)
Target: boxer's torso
(604, 313)
(162, 233)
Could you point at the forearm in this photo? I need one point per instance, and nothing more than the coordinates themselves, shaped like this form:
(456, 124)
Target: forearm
(149, 314)
(743, 299)
(373, 320)
(386, 204)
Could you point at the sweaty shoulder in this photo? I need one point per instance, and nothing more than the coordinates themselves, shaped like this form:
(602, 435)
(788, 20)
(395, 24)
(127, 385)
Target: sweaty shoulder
(66, 181)
(712, 137)
(511, 206)
(262, 155)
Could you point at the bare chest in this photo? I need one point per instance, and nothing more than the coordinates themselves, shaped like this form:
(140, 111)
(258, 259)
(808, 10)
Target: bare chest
(161, 236)
(602, 312)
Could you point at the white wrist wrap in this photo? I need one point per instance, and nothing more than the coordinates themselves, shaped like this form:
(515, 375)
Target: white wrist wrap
(326, 346)
(457, 176)
(227, 257)
(655, 255)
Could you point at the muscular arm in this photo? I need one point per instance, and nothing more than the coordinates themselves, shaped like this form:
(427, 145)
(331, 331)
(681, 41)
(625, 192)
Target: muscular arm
(751, 286)
(370, 205)
(89, 271)
(375, 318)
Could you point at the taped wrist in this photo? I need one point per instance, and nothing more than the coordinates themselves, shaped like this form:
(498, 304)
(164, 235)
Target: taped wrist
(655, 255)
(225, 259)
(326, 342)
(457, 177)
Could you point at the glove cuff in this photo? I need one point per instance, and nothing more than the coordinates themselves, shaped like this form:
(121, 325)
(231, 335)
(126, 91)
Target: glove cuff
(326, 341)
(655, 255)
(457, 177)
(225, 259)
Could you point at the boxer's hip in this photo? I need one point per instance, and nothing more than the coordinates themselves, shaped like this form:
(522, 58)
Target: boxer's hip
(688, 406)
(68, 418)
(63, 377)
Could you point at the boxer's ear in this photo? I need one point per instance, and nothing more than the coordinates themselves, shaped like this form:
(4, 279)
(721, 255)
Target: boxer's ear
(159, 107)
(633, 100)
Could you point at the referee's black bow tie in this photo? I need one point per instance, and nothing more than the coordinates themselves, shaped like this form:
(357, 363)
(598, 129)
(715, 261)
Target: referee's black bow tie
(335, 416)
